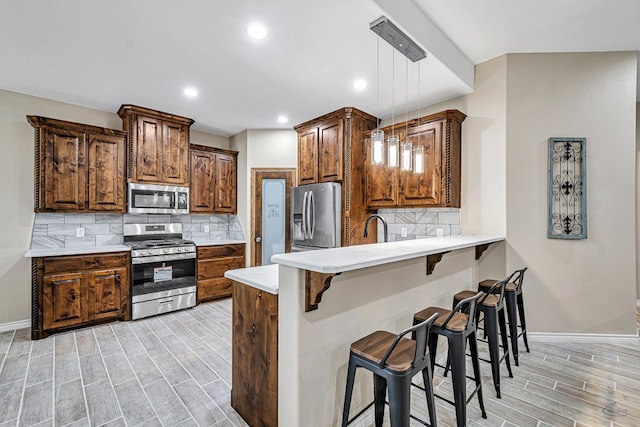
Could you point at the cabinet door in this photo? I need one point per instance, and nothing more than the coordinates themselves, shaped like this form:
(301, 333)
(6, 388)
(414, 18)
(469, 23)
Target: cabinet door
(254, 391)
(423, 189)
(64, 169)
(149, 150)
(308, 156)
(107, 293)
(330, 147)
(62, 303)
(225, 183)
(382, 185)
(202, 181)
(174, 154)
(106, 160)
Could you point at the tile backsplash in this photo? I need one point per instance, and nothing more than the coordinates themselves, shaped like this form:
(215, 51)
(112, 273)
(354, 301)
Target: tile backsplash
(419, 223)
(58, 230)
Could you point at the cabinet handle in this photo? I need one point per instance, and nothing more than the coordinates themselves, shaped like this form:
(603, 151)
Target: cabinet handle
(253, 327)
(168, 301)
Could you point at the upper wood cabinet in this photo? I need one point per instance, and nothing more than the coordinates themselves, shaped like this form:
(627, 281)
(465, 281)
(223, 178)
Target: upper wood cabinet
(321, 151)
(213, 180)
(439, 185)
(331, 149)
(78, 168)
(157, 145)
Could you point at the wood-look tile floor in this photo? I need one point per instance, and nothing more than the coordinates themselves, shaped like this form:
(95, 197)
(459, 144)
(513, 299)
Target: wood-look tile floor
(175, 369)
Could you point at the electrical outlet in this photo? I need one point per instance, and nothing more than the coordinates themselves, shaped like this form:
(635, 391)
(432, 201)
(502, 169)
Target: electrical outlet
(403, 232)
(80, 232)
(206, 228)
(439, 232)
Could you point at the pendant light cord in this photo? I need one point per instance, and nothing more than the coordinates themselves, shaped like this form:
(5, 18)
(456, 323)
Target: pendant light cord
(377, 82)
(406, 100)
(393, 93)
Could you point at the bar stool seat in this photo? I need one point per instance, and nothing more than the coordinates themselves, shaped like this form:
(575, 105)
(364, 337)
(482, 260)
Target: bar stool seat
(459, 328)
(492, 306)
(394, 360)
(515, 309)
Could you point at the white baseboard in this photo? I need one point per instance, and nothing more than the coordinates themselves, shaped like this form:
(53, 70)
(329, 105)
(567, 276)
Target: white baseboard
(555, 337)
(15, 325)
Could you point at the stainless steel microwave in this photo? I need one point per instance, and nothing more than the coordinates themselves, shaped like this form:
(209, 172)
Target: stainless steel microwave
(157, 199)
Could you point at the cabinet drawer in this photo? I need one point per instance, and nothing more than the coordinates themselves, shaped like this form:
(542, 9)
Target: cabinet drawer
(215, 268)
(214, 288)
(88, 262)
(220, 251)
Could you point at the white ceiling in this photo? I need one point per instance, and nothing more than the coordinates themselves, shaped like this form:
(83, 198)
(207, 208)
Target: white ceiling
(144, 52)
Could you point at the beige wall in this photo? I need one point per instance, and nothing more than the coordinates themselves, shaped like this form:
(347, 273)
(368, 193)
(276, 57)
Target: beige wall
(583, 286)
(16, 188)
(262, 149)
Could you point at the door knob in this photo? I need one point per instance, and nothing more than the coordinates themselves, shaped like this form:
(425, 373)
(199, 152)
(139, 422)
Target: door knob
(258, 239)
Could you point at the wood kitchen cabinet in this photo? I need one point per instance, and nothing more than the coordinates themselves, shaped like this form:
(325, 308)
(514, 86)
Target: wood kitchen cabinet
(76, 291)
(213, 180)
(331, 149)
(212, 262)
(439, 185)
(254, 389)
(157, 146)
(78, 168)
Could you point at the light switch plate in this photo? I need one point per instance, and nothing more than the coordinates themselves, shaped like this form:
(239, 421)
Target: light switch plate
(439, 232)
(80, 232)
(206, 228)
(403, 232)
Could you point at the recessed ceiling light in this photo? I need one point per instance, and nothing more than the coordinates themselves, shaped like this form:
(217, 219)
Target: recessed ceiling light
(190, 92)
(256, 31)
(359, 84)
(282, 119)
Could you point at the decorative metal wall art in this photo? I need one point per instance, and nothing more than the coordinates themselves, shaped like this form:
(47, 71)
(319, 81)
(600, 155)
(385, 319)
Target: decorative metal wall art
(567, 188)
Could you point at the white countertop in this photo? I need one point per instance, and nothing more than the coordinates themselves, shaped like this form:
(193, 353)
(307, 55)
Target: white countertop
(82, 250)
(264, 277)
(200, 242)
(361, 256)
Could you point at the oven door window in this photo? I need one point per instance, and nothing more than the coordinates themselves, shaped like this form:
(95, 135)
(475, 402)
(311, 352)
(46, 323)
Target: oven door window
(153, 199)
(162, 276)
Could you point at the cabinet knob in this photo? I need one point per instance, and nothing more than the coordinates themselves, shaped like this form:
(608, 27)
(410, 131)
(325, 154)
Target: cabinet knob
(260, 294)
(258, 239)
(253, 327)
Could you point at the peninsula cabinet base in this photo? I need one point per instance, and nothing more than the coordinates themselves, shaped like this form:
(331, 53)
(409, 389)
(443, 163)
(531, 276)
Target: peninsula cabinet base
(254, 385)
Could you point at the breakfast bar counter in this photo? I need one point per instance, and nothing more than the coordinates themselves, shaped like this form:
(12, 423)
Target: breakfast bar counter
(327, 299)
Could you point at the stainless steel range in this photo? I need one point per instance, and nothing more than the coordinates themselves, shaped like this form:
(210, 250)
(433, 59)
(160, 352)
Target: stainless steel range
(163, 269)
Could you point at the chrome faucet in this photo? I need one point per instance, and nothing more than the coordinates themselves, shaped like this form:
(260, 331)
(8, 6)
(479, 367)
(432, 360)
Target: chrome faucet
(384, 224)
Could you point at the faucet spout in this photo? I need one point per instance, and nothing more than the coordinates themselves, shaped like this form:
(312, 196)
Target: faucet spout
(384, 224)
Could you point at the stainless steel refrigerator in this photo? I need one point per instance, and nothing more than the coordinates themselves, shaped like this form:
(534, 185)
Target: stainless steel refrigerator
(316, 216)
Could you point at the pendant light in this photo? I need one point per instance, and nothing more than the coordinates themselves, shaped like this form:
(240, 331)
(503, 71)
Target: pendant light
(418, 157)
(377, 136)
(392, 142)
(406, 144)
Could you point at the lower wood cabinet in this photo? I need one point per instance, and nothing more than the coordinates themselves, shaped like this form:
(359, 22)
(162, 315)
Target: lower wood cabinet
(74, 291)
(213, 261)
(254, 384)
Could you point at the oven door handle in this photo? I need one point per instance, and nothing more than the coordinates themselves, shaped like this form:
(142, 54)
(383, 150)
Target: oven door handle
(162, 258)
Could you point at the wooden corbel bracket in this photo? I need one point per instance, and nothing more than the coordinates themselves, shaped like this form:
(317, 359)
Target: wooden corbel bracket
(315, 284)
(480, 249)
(433, 259)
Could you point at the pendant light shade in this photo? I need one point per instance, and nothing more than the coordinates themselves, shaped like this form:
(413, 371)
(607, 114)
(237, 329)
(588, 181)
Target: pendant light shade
(393, 148)
(418, 159)
(405, 156)
(377, 147)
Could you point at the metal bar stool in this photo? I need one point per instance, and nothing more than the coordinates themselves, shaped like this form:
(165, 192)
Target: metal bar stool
(393, 360)
(491, 305)
(515, 306)
(459, 327)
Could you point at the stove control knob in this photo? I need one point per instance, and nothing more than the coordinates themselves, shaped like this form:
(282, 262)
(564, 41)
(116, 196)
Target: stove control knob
(166, 250)
(144, 252)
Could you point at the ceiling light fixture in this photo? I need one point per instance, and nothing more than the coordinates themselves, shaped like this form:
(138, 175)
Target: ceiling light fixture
(282, 119)
(190, 92)
(360, 84)
(377, 136)
(393, 35)
(256, 31)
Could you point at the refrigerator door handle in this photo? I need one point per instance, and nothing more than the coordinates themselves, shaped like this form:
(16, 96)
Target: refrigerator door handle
(304, 215)
(312, 211)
